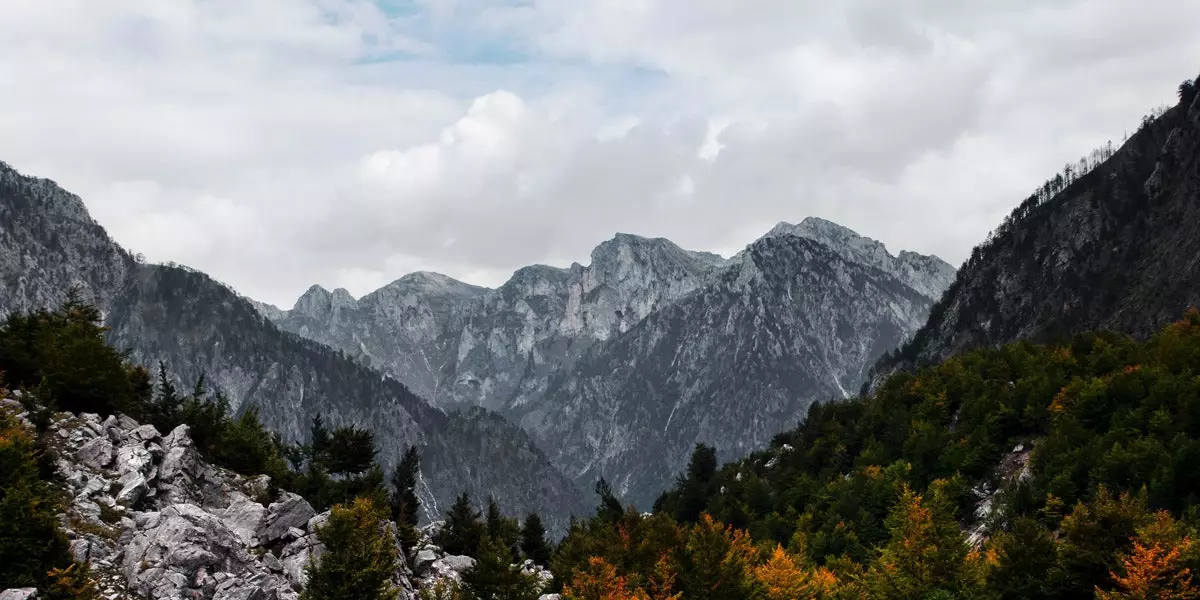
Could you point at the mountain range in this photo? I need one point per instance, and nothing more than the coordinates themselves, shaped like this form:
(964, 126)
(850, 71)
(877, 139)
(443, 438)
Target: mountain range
(618, 368)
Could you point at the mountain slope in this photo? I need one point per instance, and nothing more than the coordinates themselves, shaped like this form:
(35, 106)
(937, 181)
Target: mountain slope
(790, 322)
(461, 345)
(49, 243)
(1118, 248)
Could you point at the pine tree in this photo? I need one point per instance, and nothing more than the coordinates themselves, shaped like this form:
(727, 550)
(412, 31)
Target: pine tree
(1024, 555)
(463, 532)
(319, 441)
(350, 451)
(695, 488)
(359, 559)
(404, 501)
(610, 508)
(533, 540)
(495, 577)
(927, 555)
(502, 529)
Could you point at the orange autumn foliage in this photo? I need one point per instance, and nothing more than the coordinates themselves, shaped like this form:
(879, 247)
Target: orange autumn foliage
(1152, 572)
(783, 577)
(1155, 569)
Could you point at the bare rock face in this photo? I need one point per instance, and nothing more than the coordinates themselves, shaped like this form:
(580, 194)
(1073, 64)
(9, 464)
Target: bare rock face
(1118, 248)
(154, 520)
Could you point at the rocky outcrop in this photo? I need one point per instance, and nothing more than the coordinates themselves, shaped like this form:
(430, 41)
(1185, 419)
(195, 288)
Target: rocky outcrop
(187, 529)
(146, 507)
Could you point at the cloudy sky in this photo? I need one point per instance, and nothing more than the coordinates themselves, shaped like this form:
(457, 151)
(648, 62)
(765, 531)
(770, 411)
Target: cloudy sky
(280, 143)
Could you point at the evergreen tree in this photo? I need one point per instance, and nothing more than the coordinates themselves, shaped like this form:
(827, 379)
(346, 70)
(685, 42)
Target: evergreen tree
(319, 444)
(926, 556)
(404, 501)
(350, 451)
(63, 354)
(463, 532)
(359, 559)
(495, 577)
(610, 508)
(533, 540)
(696, 487)
(1024, 555)
(502, 529)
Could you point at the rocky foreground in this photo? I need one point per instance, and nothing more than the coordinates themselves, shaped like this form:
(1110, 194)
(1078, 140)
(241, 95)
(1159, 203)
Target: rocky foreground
(154, 520)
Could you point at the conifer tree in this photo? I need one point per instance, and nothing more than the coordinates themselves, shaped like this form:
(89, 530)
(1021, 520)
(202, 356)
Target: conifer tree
(695, 487)
(533, 540)
(359, 559)
(610, 508)
(404, 501)
(926, 555)
(495, 577)
(502, 529)
(463, 532)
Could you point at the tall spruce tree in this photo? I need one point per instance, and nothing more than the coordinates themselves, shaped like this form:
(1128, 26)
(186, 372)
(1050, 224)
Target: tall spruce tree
(404, 501)
(503, 529)
(533, 540)
(696, 487)
(463, 532)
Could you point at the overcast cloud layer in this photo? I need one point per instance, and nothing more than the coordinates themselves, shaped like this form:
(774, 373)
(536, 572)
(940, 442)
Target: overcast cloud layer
(280, 143)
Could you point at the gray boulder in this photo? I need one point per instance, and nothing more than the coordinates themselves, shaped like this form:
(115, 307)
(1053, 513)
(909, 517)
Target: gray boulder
(290, 511)
(19, 594)
(97, 454)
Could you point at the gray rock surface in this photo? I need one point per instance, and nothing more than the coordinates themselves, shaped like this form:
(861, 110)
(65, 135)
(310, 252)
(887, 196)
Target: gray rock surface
(19, 594)
(194, 531)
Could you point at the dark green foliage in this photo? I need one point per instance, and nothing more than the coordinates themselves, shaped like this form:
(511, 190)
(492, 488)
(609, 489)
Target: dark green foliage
(609, 508)
(359, 559)
(33, 552)
(404, 501)
(502, 529)
(533, 540)
(495, 577)
(350, 450)
(695, 487)
(1114, 427)
(319, 440)
(1024, 556)
(62, 354)
(463, 532)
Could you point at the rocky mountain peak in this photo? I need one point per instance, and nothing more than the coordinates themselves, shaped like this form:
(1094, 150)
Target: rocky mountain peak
(431, 283)
(927, 274)
(318, 302)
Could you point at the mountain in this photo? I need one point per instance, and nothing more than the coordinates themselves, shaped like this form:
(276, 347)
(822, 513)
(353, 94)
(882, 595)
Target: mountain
(1113, 243)
(618, 368)
(49, 243)
(459, 344)
(789, 322)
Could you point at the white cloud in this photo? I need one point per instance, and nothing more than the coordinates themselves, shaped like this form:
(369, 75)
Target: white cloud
(281, 143)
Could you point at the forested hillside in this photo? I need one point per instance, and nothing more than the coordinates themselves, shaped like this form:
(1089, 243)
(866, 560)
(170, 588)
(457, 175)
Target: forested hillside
(1066, 471)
